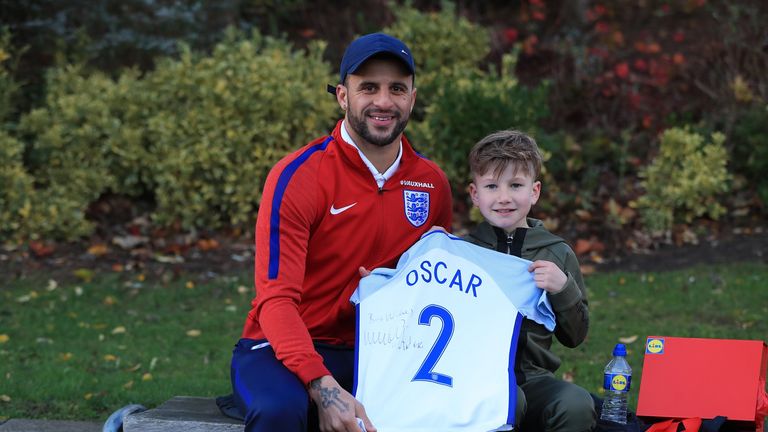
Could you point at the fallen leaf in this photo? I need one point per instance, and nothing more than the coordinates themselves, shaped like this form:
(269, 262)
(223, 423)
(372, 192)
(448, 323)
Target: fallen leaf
(130, 241)
(110, 357)
(193, 333)
(65, 356)
(84, 274)
(134, 368)
(207, 244)
(88, 396)
(146, 377)
(628, 339)
(242, 289)
(52, 285)
(169, 259)
(118, 330)
(582, 246)
(118, 268)
(5, 398)
(109, 300)
(583, 214)
(190, 285)
(128, 385)
(4, 338)
(40, 249)
(587, 269)
(98, 249)
(568, 376)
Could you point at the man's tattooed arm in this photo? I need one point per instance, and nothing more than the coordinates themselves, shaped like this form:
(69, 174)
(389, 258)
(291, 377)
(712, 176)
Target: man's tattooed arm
(329, 396)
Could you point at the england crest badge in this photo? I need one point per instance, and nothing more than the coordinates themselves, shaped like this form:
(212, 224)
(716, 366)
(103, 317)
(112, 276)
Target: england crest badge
(416, 207)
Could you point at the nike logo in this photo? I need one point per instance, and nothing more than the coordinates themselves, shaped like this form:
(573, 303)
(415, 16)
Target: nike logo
(335, 211)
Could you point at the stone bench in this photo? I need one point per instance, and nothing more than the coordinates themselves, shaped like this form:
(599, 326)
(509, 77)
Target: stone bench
(182, 414)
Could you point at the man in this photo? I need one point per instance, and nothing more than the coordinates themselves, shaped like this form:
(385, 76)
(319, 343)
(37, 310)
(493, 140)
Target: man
(354, 200)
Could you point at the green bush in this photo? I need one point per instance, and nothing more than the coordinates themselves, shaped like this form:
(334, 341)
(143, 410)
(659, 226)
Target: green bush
(684, 180)
(445, 46)
(219, 123)
(750, 152)
(15, 189)
(29, 213)
(466, 109)
(199, 134)
(458, 102)
(8, 86)
(82, 143)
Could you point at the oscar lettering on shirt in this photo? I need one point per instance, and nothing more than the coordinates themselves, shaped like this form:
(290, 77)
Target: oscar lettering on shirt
(442, 275)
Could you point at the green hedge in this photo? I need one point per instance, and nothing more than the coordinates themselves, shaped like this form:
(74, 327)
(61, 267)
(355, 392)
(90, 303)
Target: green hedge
(198, 134)
(684, 180)
(458, 101)
(15, 189)
(219, 123)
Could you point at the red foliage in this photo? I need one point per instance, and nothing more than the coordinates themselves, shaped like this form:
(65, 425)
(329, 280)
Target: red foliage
(622, 70)
(510, 35)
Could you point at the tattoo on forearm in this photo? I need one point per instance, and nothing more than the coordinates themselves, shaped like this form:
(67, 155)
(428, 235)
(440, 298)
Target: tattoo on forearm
(329, 396)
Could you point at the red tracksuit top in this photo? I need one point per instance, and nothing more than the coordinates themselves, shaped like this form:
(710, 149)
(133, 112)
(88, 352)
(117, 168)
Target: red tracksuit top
(322, 216)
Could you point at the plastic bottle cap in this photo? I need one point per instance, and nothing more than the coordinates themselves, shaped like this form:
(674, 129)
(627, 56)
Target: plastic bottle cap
(620, 350)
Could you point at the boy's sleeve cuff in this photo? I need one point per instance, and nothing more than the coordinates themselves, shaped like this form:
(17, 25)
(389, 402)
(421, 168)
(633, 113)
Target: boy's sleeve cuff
(569, 296)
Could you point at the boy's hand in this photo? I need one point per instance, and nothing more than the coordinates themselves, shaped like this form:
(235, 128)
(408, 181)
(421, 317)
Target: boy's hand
(548, 276)
(337, 410)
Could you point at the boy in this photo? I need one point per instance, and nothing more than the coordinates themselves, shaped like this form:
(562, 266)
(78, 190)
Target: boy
(505, 167)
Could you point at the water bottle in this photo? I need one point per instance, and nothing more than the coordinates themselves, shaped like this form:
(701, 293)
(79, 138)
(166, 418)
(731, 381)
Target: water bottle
(618, 376)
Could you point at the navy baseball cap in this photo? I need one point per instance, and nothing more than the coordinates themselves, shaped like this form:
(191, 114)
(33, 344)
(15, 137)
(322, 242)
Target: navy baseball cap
(365, 47)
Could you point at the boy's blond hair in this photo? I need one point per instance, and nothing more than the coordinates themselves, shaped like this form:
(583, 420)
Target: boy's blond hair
(500, 149)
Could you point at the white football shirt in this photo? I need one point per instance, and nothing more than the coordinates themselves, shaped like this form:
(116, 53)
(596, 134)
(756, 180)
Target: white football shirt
(436, 337)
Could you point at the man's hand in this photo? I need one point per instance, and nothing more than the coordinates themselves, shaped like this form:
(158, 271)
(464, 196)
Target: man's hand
(433, 229)
(337, 409)
(548, 276)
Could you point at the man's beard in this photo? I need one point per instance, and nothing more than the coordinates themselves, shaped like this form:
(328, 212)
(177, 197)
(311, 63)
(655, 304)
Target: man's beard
(359, 125)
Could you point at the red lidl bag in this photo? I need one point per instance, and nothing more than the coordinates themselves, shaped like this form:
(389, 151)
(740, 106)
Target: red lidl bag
(685, 378)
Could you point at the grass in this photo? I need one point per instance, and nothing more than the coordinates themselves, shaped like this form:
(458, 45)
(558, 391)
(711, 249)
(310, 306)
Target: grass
(82, 350)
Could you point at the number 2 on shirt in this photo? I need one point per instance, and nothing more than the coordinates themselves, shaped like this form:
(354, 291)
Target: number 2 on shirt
(425, 372)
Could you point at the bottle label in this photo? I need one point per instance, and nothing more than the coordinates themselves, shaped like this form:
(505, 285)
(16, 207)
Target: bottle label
(617, 382)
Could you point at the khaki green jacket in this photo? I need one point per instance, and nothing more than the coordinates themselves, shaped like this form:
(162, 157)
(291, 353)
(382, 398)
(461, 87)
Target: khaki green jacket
(534, 357)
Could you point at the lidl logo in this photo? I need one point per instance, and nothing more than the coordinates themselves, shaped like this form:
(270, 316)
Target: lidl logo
(619, 382)
(654, 346)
